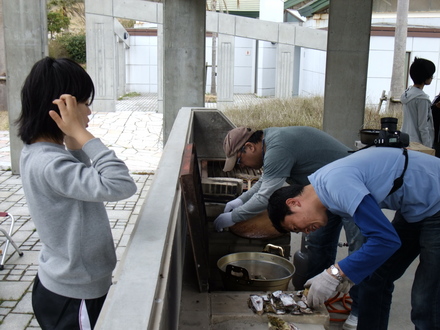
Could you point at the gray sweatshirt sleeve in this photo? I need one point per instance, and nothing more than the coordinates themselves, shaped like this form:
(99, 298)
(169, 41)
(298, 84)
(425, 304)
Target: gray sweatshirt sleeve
(81, 156)
(259, 200)
(107, 179)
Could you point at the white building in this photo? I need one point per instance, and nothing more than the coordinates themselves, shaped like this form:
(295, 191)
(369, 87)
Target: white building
(254, 69)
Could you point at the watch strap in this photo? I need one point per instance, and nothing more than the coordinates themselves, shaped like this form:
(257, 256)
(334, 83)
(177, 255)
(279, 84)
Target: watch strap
(335, 271)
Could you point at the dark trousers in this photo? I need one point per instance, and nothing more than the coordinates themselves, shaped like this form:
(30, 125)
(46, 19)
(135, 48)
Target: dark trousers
(55, 312)
(420, 239)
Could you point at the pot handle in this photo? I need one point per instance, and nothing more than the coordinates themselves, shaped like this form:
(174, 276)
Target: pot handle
(237, 269)
(268, 248)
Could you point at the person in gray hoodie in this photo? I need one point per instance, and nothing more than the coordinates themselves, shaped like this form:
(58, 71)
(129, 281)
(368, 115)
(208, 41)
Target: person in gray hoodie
(67, 174)
(417, 115)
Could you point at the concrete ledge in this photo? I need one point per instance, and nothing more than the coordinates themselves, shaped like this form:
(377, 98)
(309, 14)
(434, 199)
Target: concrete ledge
(148, 288)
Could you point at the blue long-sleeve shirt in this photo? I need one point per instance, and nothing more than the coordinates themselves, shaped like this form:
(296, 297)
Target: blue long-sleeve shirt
(343, 187)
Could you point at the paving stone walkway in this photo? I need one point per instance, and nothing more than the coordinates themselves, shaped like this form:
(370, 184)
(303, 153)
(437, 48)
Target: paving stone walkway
(134, 132)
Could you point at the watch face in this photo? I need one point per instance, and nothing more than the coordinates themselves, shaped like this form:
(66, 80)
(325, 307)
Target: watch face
(335, 271)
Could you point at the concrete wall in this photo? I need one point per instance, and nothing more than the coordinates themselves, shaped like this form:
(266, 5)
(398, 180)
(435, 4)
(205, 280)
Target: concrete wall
(379, 67)
(381, 59)
(142, 66)
(25, 35)
(245, 64)
(312, 72)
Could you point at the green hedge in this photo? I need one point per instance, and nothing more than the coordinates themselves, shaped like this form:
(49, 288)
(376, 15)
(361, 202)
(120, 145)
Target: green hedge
(69, 45)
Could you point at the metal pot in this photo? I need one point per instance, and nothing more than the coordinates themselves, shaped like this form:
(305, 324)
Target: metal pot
(255, 271)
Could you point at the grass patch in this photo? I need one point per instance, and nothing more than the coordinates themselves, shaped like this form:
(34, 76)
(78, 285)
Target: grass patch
(210, 98)
(128, 95)
(297, 111)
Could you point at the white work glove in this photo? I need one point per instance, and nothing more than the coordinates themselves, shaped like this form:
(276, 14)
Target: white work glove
(233, 204)
(223, 220)
(344, 286)
(321, 288)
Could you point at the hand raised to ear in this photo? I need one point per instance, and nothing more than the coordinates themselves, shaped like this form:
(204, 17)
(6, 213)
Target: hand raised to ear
(70, 120)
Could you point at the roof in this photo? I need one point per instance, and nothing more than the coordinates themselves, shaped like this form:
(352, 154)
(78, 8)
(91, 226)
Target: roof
(314, 7)
(251, 8)
(307, 8)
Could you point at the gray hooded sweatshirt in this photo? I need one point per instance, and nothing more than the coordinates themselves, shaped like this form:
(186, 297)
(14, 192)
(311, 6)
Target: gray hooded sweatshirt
(417, 116)
(65, 191)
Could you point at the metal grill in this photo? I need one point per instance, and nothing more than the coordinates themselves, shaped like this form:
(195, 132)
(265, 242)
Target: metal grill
(224, 186)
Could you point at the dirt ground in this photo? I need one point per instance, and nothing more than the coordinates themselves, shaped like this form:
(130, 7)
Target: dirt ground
(4, 121)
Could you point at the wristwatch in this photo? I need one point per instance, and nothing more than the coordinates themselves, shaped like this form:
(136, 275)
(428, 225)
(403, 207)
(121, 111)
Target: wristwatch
(335, 272)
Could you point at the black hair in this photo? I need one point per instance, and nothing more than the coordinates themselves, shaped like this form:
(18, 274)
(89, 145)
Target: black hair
(421, 70)
(256, 137)
(48, 79)
(277, 207)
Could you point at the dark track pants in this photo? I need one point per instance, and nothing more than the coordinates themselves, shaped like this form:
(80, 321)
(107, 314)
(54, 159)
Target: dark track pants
(55, 312)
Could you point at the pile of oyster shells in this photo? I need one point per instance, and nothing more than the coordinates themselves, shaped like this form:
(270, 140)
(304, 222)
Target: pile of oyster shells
(280, 302)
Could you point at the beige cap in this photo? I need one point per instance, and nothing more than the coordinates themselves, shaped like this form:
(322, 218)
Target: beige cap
(234, 141)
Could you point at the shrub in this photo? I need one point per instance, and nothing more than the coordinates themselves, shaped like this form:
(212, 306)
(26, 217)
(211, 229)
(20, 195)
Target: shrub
(57, 49)
(70, 45)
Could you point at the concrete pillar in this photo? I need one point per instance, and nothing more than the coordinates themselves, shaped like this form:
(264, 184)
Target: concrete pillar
(296, 70)
(266, 68)
(270, 10)
(101, 59)
(160, 67)
(346, 68)
(3, 104)
(184, 24)
(225, 70)
(284, 71)
(121, 43)
(25, 33)
(120, 67)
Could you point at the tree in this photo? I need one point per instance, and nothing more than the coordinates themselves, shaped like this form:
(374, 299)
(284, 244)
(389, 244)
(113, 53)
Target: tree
(56, 22)
(72, 8)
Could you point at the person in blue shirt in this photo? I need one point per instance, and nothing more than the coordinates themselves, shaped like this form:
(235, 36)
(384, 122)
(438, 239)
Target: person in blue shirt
(288, 155)
(360, 186)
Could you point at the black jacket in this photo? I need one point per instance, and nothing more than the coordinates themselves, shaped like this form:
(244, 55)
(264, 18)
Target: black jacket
(436, 118)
